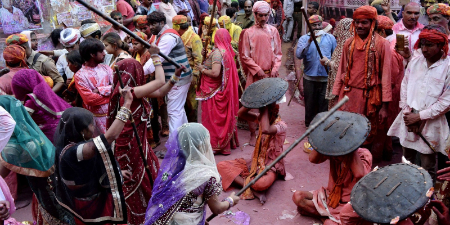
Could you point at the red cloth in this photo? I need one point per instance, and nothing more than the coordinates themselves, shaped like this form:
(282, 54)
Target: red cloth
(220, 96)
(365, 12)
(127, 12)
(435, 37)
(384, 23)
(138, 190)
(381, 78)
(202, 19)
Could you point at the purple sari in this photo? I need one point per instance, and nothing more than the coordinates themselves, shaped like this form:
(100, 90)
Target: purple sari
(39, 100)
(185, 173)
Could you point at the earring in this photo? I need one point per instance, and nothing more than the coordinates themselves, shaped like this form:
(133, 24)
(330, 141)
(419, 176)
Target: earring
(82, 134)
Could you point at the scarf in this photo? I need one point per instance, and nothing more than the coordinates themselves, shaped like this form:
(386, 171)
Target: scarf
(339, 172)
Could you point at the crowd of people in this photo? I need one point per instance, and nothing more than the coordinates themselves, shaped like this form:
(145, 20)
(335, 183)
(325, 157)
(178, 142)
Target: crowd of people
(83, 130)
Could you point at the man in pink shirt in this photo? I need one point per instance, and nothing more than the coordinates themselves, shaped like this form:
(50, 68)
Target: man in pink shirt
(260, 51)
(408, 26)
(127, 13)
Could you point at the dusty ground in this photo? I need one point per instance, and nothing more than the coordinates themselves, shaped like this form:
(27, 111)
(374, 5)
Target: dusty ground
(279, 208)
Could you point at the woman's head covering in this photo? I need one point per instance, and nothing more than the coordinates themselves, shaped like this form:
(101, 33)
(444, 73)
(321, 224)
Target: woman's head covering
(202, 20)
(342, 32)
(223, 42)
(28, 33)
(17, 39)
(189, 164)
(69, 37)
(28, 83)
(72, 122)
(384, 23)
(434, 34)
(439, 8)
(15, 54)
(28, 152)
(141, 35)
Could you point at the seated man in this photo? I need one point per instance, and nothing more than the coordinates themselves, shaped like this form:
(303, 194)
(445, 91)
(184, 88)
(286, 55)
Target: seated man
(348, 163)
(384, 189)
(269, 144)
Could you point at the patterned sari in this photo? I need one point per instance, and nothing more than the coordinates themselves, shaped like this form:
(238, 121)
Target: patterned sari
(138, 189)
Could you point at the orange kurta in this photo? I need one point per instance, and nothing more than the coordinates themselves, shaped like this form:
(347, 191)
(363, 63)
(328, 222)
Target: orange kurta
(381, 78)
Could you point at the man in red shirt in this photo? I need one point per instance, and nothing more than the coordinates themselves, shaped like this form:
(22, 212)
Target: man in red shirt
(127, 12)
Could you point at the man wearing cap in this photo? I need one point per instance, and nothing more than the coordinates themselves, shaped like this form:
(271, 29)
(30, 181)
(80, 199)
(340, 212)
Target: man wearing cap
(348, 163)
(37, 61)
(364, 73)
(91, 29)
(260, 51)
(170, 43)
(193, 46)
(14, 56)
(439, 14)
(408, 25)
(384, 143)
(315, 76)
(424, 100)
(245, 19)
(233, 29)
(70, 39)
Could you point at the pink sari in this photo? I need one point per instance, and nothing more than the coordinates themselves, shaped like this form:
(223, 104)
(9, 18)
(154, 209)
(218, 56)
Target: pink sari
(219, 96)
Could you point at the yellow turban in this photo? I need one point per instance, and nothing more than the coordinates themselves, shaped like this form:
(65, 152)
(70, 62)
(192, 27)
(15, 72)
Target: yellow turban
(225, 19)
(208, 20)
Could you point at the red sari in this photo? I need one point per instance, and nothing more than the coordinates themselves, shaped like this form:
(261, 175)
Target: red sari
(219, 95)
(138, 189)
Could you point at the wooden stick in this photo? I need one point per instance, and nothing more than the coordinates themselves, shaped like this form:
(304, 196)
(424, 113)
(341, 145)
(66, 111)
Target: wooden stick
(296, 142)
(205, 48)
(126, 30)
(313, 35)
(138, 139)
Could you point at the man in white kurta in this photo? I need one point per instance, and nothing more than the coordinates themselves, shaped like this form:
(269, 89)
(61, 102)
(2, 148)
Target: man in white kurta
(426, 89)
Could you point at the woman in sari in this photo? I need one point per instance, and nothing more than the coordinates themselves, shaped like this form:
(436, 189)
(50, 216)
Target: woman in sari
(89, 181)
(218, 94)
(342, 33)
(14, 56)
(44, 106)
(30, 153)
(138, 188)
(188, 180)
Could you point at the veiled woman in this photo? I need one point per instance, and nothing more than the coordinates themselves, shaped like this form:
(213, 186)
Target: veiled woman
(137, 187)
(30, 153)
(218, 94)
(342, 33)
(188, 181)
(44, 106)
(88, 178)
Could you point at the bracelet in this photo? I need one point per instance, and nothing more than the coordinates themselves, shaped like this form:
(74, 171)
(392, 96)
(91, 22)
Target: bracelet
(174, 79)
(125, 110)
(122, 116)
(229, 200)
(203, 70)
(327, 63)
(154, 55)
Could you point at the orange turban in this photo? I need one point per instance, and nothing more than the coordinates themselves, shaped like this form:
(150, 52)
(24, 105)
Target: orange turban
(365, 12)
(435, 36)
(141, 21)
(315, 19)
(179, 19)
(14, 54)
(385, 23)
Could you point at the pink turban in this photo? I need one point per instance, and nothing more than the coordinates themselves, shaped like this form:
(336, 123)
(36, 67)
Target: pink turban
(261, 7)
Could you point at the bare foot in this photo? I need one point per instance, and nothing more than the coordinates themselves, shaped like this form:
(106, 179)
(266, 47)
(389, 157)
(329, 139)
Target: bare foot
(261, 196)
(252, 141)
